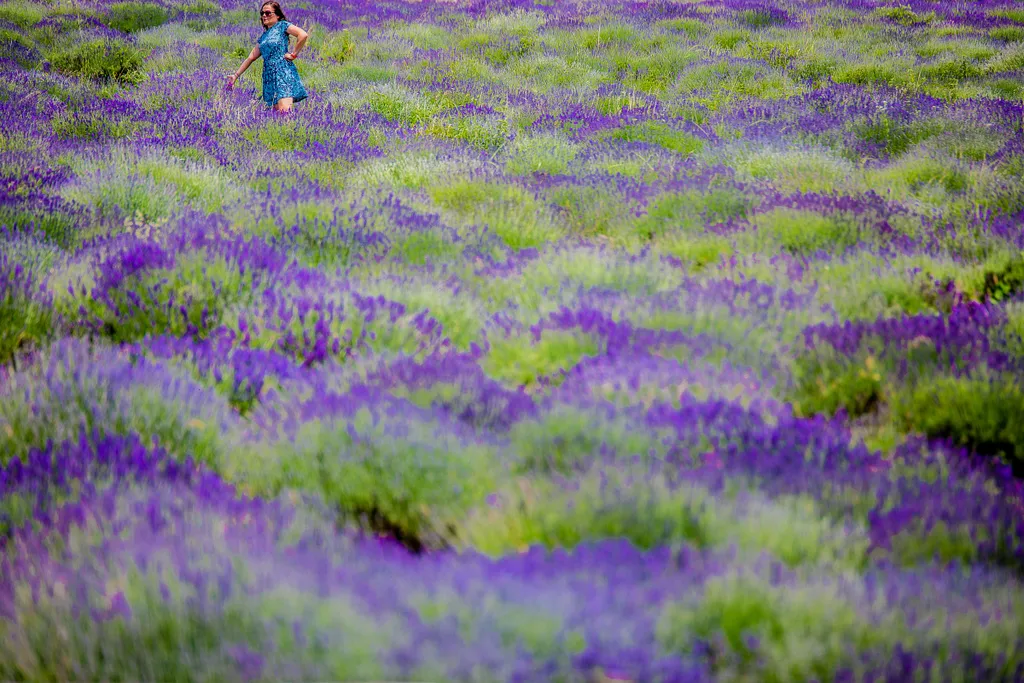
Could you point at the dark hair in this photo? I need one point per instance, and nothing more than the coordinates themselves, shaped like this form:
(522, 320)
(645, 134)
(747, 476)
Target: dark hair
(274, 6)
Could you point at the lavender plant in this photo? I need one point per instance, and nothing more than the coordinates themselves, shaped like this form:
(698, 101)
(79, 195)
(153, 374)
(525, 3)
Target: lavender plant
(545, 340)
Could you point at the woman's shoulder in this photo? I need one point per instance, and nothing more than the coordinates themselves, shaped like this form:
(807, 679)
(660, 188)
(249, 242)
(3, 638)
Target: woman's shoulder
(283, 24)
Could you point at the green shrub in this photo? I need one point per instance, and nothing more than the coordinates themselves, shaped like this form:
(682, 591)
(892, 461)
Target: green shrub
(658, 133)
(727, 40)
(474, 131)
(1004, 283)
(521, 361)
(693, 28)
(543, 153)
(104, 60)
(691, 211)
(893, 137)
(952, 70)
(759, 18)
(1010, 34)
(1010, 59)
(869, 73)
(199, 7)
(23, 15)
(803, 634)
(416, 486)
(23, 323)
(568, 437)
(825, 383)
(805, 232)
(904, 16)
(590, 211)
(130, 17)
(338, 47)
(90, 125)
(515, 215)
(983, 414)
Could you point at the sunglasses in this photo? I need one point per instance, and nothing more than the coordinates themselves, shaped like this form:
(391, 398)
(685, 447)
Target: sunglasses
(267, 14)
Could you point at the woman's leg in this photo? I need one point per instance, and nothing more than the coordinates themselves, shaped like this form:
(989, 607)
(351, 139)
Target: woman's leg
(283, 104)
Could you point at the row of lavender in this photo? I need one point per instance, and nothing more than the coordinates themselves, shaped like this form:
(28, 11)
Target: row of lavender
(645, 341)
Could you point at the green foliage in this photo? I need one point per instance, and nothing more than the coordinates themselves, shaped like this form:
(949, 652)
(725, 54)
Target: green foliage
(472, 131)
(904, 15)
(659, 133)
(1004, 283)
(1010, 59)
(758, 18)
(194, 292)
(161, 637)
(116, 197)
(22, 14)
(690, 212)
(104, 60)
(1014, 331)
(825, 382)
(202, 8)
(459, 315)
(517, 216)
(509, 49)
(399, 107)
(695, 251)
(590, 211)
(693, 28)
(801, 633)
(979, 413)
(805, 232)
(284, 136)
(131, 17)
(1010, 34)
(870, 73)
(408, 107)
(728, 40)
(922, 175)
(543, 153)
(952, 70)
(1007, 88)
(416, 487)
(338, 47)
(566, 438)
(601, 504)
(656, 72)
(92, 125)
(521, 361)
(24, 324)
(718, 84)
(893, 137)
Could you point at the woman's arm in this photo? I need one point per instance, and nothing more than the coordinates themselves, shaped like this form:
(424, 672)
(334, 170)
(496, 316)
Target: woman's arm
(253, 56)
(294, 30)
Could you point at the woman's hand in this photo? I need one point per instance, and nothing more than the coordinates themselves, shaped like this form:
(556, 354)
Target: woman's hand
(231, 81)
(290, 56)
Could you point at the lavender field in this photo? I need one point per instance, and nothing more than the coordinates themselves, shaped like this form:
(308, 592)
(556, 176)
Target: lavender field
(595, 341)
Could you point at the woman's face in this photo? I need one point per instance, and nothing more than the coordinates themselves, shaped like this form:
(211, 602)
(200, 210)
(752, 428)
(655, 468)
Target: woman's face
(267, 16)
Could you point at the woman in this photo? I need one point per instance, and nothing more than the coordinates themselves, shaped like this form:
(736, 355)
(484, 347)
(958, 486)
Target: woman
(281, 84)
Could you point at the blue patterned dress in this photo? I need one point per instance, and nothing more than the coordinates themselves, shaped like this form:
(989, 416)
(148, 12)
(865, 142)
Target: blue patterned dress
(280, 77)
